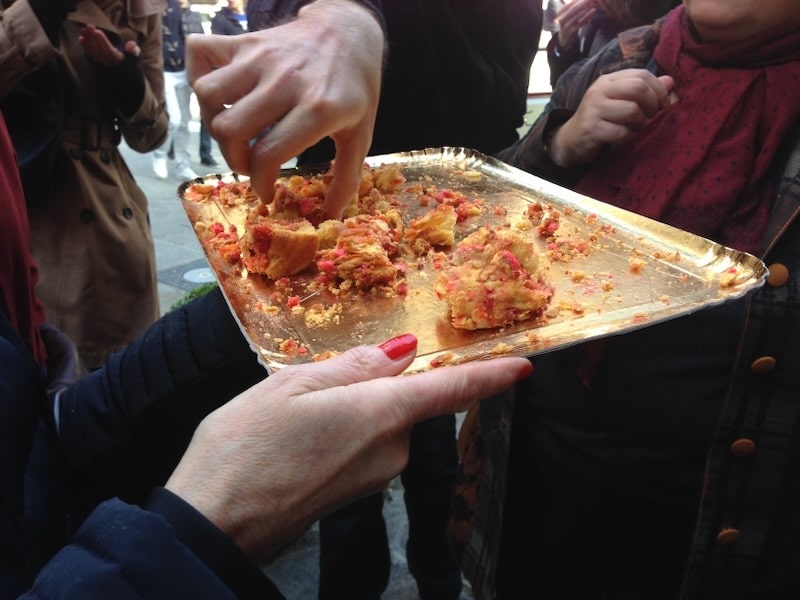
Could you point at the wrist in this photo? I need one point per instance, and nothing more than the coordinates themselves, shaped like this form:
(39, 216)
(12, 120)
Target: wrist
(360, 19)
(554, 149)
(565, 44)
(210, 544)
(250, 527)
(552, 136)
(348, 7)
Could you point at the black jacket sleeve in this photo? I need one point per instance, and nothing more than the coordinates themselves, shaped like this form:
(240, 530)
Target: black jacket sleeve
(125, 427)
(168, 551)
(262, 14)
(126, 83)
(213, 547)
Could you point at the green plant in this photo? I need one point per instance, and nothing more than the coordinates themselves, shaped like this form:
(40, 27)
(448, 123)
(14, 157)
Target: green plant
(200, 290)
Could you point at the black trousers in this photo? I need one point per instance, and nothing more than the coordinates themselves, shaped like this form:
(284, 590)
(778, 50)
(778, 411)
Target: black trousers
(354, 551)
(568, 538)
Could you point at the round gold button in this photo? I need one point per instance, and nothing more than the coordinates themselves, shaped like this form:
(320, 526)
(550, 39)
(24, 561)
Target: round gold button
(728, 536)
(778, 275)
(743, 447)
(762, 365)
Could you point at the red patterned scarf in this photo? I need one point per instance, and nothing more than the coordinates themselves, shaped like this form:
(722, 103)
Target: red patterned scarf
(704, 164)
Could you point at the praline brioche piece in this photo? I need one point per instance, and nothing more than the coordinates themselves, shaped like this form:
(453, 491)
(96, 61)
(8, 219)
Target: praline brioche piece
(491, 280)
(435, 228)
(364, 249)
(278, 247)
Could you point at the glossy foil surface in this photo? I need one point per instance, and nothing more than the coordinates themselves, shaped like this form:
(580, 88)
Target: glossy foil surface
(613, 272)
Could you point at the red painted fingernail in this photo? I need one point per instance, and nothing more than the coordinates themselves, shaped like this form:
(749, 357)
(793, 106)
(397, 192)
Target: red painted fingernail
(526, 370)
(399, 346)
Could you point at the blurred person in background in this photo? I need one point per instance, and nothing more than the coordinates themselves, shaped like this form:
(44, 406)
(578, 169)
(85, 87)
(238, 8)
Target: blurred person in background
(177, 92)
(192, 22)
(91, 75)
(583, 27)
(230, 19)
(663, 463)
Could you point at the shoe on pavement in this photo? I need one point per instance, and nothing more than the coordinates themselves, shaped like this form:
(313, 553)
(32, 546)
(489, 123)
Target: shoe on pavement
(186, 173)
(160, 168)
(208, 161)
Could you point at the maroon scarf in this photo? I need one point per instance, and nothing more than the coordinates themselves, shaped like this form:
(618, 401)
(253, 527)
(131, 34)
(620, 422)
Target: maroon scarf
(704, 164)
(17, 268)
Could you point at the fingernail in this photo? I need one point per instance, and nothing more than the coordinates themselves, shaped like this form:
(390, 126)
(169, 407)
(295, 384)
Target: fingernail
(526, 370)
(399, 346)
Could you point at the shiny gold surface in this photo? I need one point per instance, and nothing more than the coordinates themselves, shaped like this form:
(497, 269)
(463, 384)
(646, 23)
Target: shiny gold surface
(638, 272)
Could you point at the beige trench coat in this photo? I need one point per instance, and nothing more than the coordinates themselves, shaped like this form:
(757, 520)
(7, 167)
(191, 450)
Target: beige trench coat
(92, 239)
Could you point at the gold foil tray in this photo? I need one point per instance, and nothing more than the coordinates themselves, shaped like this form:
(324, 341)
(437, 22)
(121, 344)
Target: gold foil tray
(638, 272)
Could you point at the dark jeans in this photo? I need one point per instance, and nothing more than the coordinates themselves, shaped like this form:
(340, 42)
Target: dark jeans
(354, 549)
(205, 142)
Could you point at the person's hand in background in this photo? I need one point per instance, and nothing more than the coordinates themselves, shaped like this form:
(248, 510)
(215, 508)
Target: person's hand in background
(266, 96)
(613, 108)
(100, 49)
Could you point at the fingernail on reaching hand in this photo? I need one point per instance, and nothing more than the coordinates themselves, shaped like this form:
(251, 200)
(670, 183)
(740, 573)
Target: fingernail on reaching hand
(399, 346)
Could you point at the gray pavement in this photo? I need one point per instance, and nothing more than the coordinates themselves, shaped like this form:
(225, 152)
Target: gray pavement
(181, 268)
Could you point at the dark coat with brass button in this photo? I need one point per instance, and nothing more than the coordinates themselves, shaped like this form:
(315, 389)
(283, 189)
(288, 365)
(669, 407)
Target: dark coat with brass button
(90, 225)
(730, 410)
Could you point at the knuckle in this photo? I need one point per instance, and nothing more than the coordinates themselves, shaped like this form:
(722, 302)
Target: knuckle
(362, 359)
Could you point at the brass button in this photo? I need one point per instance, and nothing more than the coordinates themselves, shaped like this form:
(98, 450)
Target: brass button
(743, 447)
(778, 275)
(127, 212)
(86, 216)
(762, 365)
(728, 536)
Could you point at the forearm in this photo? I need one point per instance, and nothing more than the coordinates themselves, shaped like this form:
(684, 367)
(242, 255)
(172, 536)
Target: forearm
(534, 153)
(531, 152)
(146, 128)
(128, 424)
(24, 45)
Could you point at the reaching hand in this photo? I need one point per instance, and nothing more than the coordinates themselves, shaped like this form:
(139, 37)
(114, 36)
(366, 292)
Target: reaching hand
(613, 108)
(313, 437)
(266, 96)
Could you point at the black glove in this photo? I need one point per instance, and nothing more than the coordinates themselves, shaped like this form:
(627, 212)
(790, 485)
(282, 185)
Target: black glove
(127, 84)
